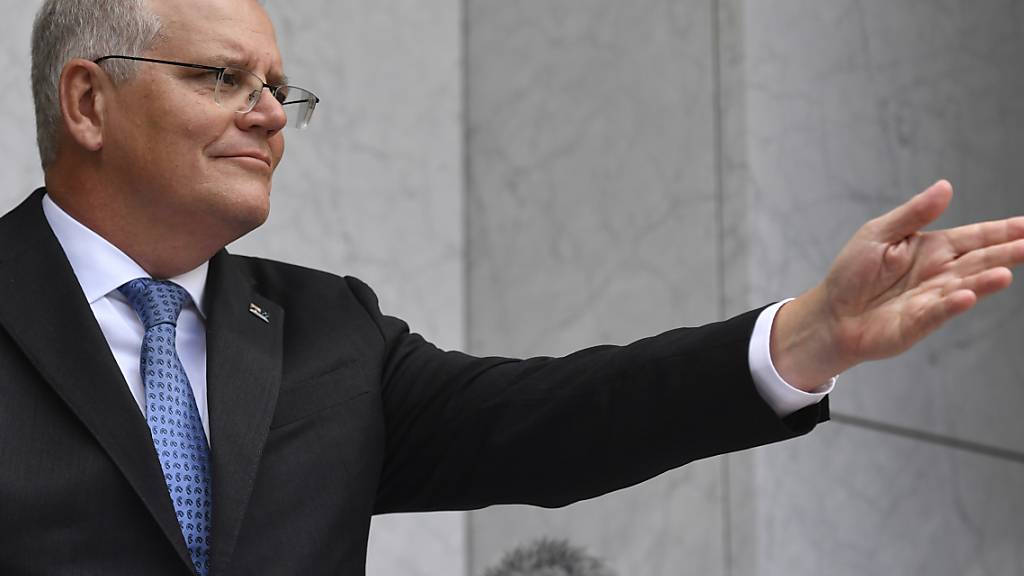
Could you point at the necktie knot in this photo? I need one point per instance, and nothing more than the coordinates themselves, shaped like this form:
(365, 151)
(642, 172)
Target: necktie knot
(155, 301)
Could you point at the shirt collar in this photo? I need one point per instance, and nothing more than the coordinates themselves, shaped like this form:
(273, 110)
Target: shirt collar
(101, 267)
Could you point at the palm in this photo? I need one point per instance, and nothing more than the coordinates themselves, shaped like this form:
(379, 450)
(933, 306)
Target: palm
(892, 284)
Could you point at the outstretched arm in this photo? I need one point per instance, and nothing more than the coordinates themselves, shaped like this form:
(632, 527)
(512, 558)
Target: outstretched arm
(891, 286)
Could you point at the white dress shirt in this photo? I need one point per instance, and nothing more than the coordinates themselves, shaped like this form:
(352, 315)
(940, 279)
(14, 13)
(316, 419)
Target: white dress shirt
(101, 268)
(782, 397)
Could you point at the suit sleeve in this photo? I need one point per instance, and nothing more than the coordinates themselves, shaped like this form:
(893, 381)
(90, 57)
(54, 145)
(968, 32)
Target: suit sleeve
(466, 432)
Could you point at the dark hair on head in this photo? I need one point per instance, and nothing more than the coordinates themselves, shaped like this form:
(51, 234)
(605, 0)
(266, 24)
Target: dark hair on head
(549, 557)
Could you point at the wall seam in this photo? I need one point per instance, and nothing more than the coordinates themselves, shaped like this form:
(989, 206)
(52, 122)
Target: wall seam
(463, 47)
(719, 192)
(976, 448)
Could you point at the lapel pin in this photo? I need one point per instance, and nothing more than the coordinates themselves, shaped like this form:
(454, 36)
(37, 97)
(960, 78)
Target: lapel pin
(259, 313)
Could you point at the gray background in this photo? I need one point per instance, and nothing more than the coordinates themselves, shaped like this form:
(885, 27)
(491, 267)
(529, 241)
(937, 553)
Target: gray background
(534, 176)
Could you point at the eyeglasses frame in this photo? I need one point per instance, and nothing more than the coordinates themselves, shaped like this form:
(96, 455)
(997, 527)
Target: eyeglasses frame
(220, 73)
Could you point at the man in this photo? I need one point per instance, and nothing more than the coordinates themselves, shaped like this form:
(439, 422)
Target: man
(248, 417)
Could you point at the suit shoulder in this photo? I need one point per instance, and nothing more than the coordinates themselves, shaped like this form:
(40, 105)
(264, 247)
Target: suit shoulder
(285, 281)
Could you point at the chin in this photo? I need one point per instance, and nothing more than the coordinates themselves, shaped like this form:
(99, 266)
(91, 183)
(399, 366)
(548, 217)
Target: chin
(246, 209)
(253, 215)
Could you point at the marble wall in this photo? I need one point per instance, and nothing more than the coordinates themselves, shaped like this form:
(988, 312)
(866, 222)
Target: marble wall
(20, 173)
(373, 188)
(591, 172)
(594, 217)
(835, 112)
(855, 107)
(852, 500)
(639, 165)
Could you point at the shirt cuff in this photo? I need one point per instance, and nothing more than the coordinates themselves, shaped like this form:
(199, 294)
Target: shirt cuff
(783, 398)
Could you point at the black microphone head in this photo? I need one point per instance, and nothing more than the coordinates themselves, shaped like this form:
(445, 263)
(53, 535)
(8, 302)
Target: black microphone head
(548, 557)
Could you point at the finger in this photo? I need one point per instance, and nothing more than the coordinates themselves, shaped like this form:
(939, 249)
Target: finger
(999, 256)
(914, 214)
(974, 236)
(940, 311)
(986, 283)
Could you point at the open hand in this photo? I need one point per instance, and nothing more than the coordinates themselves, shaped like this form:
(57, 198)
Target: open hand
(892, 285)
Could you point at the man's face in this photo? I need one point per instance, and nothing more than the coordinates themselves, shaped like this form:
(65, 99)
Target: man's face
(175, 153)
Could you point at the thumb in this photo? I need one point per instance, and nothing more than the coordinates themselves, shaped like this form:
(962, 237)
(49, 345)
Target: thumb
(916, 213)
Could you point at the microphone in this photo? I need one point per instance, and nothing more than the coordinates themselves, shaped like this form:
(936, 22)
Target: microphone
(549, 557)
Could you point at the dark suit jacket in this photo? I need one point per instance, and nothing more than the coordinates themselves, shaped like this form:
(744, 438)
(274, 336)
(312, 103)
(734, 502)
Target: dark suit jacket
(327, 414)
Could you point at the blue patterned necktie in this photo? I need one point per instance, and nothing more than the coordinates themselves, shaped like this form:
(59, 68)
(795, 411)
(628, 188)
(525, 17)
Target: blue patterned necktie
(172, 414)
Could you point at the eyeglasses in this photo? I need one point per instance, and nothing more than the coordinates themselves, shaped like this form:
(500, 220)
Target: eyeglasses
(240, 90)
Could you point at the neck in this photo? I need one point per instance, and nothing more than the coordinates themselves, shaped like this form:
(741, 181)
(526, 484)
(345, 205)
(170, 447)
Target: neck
(159, 247)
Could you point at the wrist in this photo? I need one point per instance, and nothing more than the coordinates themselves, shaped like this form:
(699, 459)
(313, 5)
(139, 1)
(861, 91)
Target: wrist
(802, 342)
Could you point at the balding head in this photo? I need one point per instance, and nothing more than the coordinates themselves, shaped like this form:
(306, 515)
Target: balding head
(89, 29)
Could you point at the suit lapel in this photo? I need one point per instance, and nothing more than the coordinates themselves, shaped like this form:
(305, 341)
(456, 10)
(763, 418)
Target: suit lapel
(244, 348)
(44, 310)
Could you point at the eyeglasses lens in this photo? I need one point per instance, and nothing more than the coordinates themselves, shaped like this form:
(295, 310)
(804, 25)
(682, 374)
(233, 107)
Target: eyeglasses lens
(298, 104)
(240, 91)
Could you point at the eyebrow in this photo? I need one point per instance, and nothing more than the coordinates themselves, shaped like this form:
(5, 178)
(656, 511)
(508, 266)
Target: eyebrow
(234, 61)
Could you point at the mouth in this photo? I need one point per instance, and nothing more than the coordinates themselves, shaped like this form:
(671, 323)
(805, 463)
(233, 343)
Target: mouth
(257, 159)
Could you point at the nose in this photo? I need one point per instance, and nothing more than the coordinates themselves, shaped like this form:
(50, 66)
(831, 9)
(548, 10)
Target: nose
(268, 114)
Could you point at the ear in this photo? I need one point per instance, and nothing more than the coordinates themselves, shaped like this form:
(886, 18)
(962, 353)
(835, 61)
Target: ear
(84, 88)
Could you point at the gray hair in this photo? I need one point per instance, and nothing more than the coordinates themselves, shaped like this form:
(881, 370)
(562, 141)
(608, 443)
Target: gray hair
(89, 29)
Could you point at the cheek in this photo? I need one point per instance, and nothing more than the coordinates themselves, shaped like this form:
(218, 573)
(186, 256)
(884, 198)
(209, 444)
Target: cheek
(277, 147)
(194, 135)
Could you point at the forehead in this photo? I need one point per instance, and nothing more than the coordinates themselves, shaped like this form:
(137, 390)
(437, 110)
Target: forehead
(235, 30)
